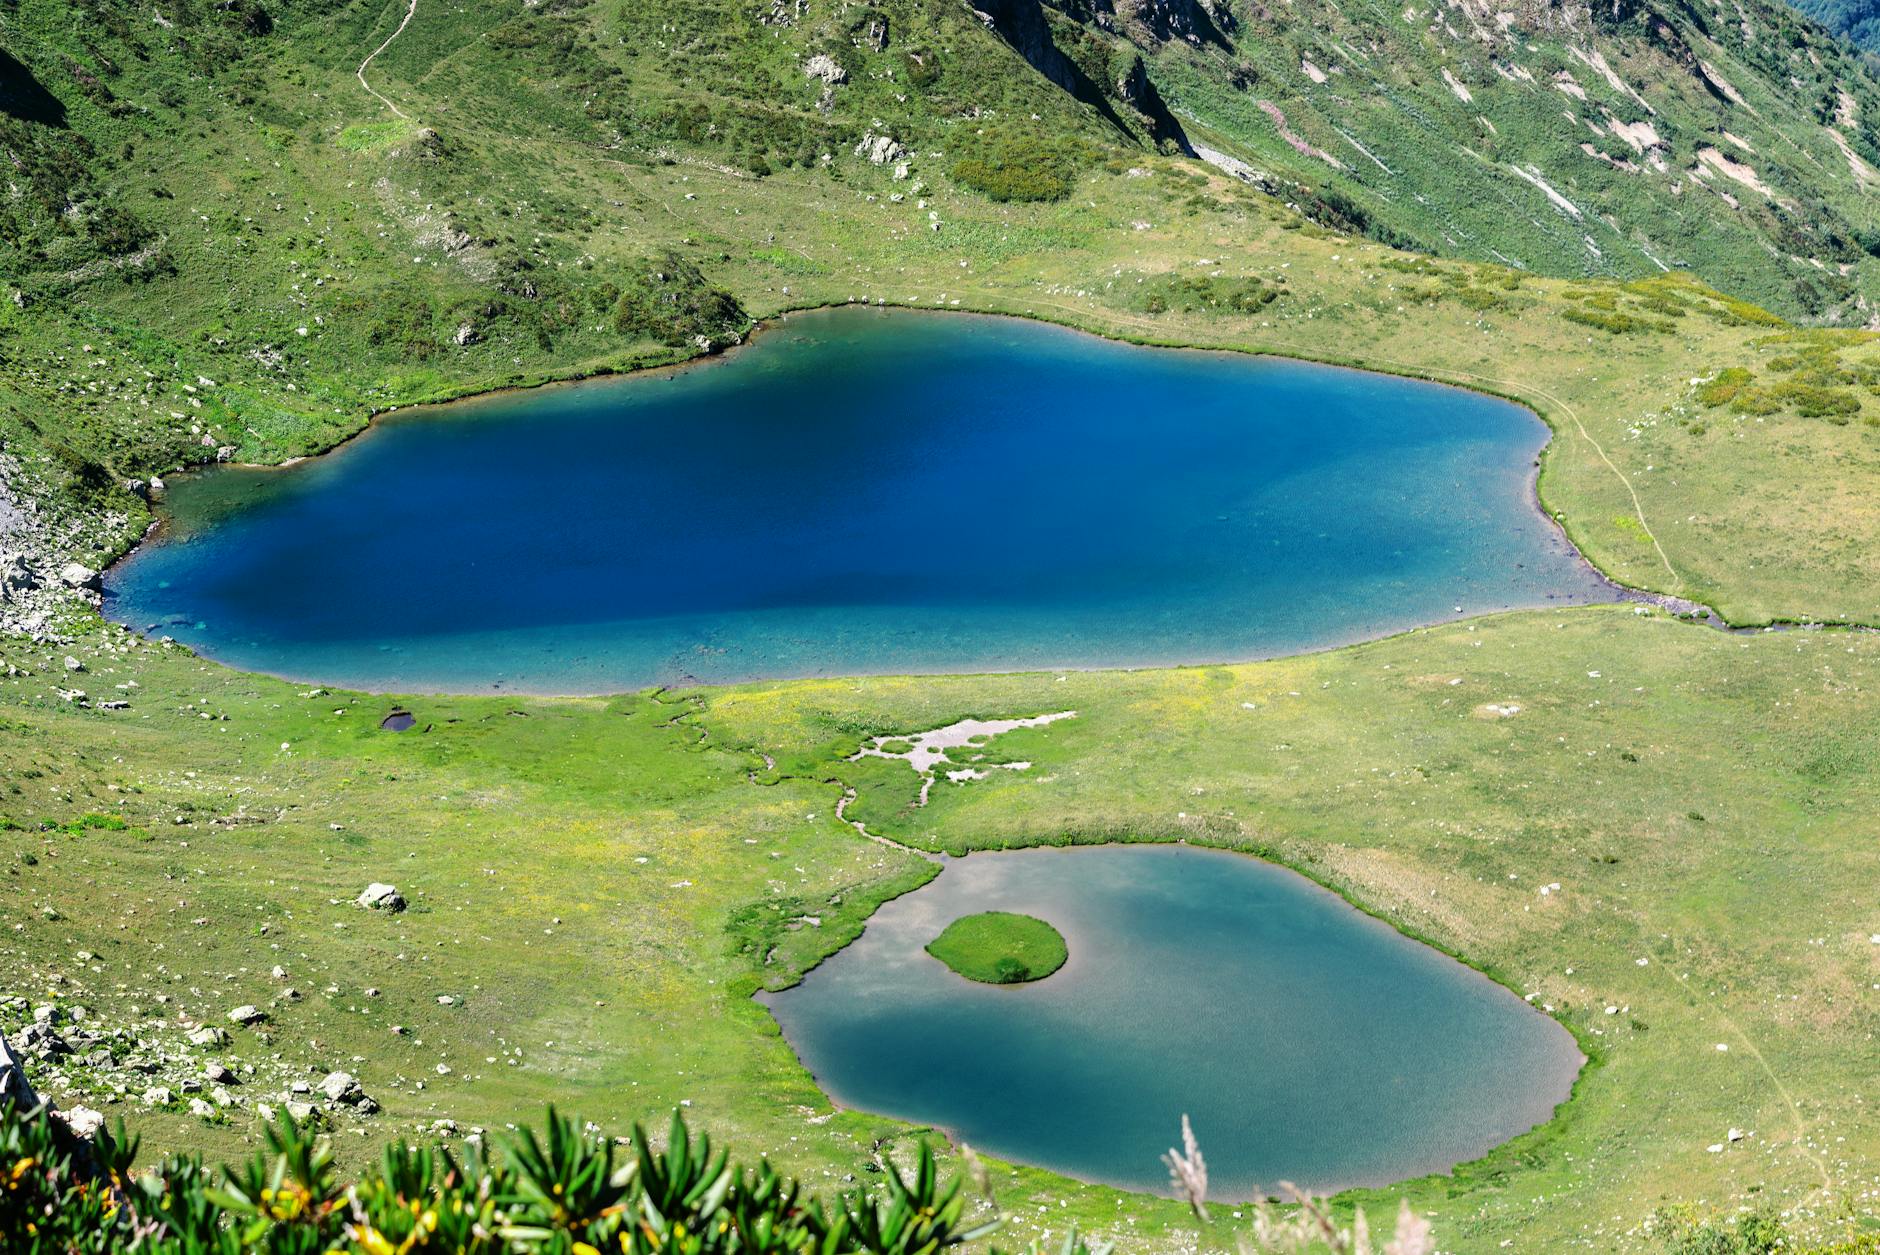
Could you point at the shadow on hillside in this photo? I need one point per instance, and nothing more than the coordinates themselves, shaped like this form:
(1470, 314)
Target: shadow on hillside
(24, 97)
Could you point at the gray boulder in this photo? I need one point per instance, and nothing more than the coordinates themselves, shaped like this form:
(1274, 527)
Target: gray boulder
(38, 1038)
(78, 575)
(826, 68)
(83, 1121)
(14, 1087)
(16, 575)
(380, 897)
(341, 1087)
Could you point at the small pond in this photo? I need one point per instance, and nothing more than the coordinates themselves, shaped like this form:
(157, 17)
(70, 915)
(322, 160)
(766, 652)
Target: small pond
(863, 492)
(1307, 1041)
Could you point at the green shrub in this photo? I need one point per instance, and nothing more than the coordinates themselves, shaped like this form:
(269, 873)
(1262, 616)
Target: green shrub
(669, 300)
(1613, 321)
(1207, 294)
(1022, 166)
(1735, 386)
(1725, 388)
(1758, 1232)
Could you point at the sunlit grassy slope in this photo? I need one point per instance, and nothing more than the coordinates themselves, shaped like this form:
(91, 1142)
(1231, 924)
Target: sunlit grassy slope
(239, 251)
(600, 884)
(298, 255)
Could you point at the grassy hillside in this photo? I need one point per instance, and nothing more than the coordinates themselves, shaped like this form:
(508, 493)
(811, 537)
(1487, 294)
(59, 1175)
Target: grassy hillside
(597, 885)
(1567, 139)
(221, 241)
(1858, 20)
(549, 200)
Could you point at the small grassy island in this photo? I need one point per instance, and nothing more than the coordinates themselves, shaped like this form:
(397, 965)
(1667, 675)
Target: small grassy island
(1000, 948)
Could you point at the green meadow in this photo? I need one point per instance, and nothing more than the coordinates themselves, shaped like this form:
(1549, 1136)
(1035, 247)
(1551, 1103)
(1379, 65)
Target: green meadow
(599, 885)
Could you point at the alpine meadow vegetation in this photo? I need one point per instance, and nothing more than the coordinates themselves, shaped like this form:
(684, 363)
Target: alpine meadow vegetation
(235, 231)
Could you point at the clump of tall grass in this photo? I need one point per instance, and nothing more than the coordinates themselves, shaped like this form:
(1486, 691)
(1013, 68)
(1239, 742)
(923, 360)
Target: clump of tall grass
(1309, 1226)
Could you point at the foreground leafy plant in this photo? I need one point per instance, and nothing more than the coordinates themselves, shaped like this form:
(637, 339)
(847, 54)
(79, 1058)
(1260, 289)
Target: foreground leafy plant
(560, 1192)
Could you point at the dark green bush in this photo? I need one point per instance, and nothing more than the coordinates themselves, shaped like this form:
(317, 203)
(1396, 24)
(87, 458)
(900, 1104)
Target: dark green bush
(667, 299)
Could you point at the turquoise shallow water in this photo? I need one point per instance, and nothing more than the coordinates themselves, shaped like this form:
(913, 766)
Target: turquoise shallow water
(1307, 1041)
(864, 492)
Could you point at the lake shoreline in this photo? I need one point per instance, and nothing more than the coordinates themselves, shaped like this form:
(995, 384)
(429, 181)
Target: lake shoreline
(1567, 1083)
(1596, 587)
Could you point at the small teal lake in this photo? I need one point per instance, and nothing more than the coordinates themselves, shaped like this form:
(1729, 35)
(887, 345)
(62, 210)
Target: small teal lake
(863, 492)
(1306, 1041)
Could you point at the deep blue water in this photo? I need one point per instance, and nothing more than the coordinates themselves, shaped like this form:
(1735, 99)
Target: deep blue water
(863, 492)
(1306, 1041)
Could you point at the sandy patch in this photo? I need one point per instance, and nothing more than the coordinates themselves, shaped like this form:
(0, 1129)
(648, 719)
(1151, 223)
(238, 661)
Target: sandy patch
(1723, 85)
(1596, 62)
(1534, 176)
(1300, 144)
(1640, 135)
(1730, 168)
(1863, 173)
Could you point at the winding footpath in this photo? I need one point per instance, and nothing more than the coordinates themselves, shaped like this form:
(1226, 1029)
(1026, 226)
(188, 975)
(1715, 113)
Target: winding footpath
(360, 73)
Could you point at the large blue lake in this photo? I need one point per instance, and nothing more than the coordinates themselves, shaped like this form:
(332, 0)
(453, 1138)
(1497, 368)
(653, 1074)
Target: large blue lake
(1306, 1041)
(862, 492)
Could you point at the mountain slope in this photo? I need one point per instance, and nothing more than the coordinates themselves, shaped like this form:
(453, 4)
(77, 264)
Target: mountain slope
(226, 241)
(1859, 20)
(1623, 138)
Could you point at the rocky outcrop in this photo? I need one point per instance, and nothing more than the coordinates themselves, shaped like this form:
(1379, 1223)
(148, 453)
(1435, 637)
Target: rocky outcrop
(1136, 90)
(826, 68)
(1022, 24)
(1156, 21)
(14, 1087)
(879, 149)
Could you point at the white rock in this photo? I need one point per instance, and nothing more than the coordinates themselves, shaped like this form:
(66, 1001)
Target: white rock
(83, 1121)
(826, 68)
(879, 149)
(338, 1086)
